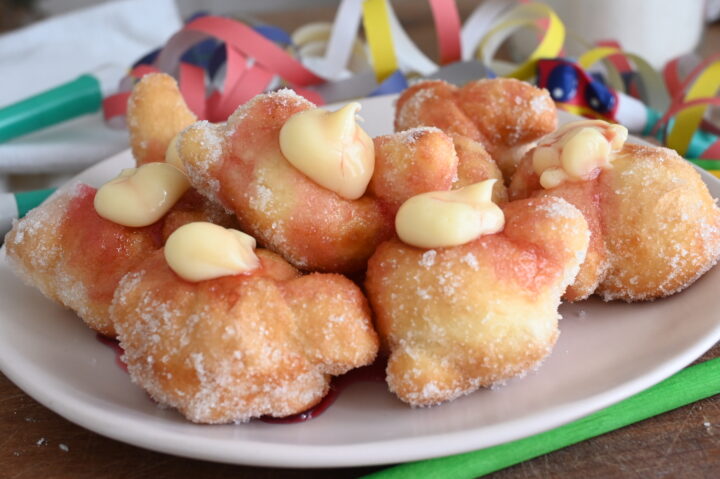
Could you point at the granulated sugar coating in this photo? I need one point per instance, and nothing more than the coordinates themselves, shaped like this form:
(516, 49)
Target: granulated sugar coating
(244, 346)
(655, 227)
(409, 163)
(456, 319)
(156, 112)
(240, 165)
(76, 257)
(201, 146)
(506, 116)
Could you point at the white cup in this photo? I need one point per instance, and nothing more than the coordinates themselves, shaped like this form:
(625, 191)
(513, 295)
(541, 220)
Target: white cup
(657, 30)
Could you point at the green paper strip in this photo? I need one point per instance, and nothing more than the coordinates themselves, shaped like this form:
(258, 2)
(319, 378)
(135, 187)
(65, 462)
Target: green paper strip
(28, 200)
(705, 164)
(70, 100)
(687, 386)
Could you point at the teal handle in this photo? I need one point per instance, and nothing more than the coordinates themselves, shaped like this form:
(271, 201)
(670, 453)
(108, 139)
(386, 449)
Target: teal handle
(687, 386)
(78, 97)
(28, 200)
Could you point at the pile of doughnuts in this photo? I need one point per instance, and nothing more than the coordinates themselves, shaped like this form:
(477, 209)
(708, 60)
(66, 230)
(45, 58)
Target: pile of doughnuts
(243, 264)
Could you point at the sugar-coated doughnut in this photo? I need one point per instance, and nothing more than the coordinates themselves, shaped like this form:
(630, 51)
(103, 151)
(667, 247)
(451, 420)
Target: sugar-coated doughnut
(505, 115)
(237, 347)
(240, 164)
(156, 112)
(655, 227)
(76, 257)
(459, 318)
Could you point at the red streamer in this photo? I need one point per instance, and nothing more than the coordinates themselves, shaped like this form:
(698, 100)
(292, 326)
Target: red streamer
(192, 87)
(253, 44)
(447, 26)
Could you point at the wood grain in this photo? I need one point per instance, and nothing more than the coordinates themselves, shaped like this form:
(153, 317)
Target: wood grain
(37, 443)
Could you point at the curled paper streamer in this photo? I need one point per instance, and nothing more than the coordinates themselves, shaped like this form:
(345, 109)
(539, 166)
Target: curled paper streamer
(702, 91)
(255, 58)
(376, 21)
(447, 24)
(341, 43)
(252, 61)
(311, 43)
(525, 15)
(221, 63)
(683, 117)
(480, 21)
(258, 59)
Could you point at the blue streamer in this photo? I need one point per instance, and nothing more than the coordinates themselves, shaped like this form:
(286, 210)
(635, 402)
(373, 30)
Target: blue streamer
(395, 83)
(275, 34)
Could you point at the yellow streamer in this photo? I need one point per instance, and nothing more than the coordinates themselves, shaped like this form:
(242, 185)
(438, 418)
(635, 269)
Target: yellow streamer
(376, 21)
(594, 55)
(687, 121)
(521, 16)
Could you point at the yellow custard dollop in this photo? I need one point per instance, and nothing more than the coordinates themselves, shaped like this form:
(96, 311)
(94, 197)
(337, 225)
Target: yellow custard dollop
(331, 149)
(449, 218)
(141, 196)
(577, 151)
(200, 251)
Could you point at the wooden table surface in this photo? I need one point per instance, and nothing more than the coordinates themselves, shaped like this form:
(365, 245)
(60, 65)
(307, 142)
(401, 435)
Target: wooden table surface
(37, 443)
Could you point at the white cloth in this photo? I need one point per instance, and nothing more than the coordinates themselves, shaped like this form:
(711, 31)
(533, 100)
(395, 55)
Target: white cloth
(55, 51)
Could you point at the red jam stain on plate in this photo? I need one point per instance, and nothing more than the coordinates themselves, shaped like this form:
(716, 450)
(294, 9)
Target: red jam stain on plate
(115, 346)
(372, 373)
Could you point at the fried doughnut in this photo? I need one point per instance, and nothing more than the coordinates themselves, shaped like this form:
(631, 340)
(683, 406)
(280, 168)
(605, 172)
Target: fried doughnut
(655, 227)
(240, 165)
(459, 318)
(237, 347)
(475, 164)
(76, 258)
(505, 115)
(156, 112)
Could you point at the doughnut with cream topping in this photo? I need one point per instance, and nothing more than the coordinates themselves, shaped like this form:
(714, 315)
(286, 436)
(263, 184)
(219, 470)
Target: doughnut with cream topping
(299, 179)
(655, 227)
(242, 346)
(462, 317)
(76, 257)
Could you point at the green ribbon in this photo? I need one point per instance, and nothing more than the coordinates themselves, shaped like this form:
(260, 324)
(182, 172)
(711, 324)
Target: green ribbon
(687, 386)
(28, 200)
(78, 97)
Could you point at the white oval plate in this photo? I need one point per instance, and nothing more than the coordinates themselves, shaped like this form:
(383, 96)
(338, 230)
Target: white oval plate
(606, 352)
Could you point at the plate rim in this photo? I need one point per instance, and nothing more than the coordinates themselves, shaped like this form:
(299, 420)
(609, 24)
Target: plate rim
(384, 451)
(246, 452)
